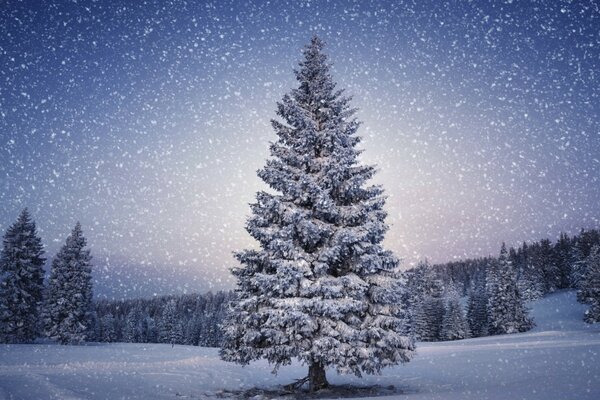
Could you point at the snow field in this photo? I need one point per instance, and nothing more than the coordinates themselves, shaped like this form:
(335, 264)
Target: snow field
(558, 359)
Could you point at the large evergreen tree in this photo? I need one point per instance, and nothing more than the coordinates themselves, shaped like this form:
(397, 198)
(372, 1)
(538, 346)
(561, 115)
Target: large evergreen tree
(21, 281)
(321, 288)
(506, 311)
(68, 304)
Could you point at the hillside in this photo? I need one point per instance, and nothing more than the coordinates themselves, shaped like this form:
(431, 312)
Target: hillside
(558, 359)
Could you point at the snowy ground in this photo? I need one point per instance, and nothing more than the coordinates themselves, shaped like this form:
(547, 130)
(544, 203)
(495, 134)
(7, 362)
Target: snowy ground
(559, 359)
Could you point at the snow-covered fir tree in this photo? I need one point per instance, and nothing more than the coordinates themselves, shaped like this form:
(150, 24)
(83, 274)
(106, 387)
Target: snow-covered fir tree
(68, 307)
(454, 324)
(108, 329)
(591, 285)
(321, 288)
(415, 293)
(530, 276)
(21, 281)
(477, 312)
(563, 261)
(530, 283)
(506, 311)
(432, 313)
(578, 272)
(425, 302)
(577, 267)
(544, 263)
(134, 330)
(171, 331)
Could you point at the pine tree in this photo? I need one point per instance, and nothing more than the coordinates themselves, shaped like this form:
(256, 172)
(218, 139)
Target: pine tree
(133, 331)
(546, 263)
(68, 304)
(477, 312)
(530, 277)
(108, 332)
(578, 273)
(591, 285)
(169, 328)
(21, 281)
(454, 325)
(432, 308)
(506, 311)
(415, 283)
(563, 260)
(321, 288)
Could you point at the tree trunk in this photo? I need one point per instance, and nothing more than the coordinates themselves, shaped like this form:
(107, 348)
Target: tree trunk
(316, 377)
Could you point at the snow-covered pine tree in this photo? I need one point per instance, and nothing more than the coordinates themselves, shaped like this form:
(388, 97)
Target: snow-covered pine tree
(563, 260)
(108, 331)
(545, 263)
(577, 267)
(425, 302)
(530, 278)
(591, 285)
(169, 323)
(415, 284)
(454, 324)
(21, 281)
(321, 288)
(68, 307)
(578, 272)
(506, 311)
(477, 313)
(432, 308)
(133, 331)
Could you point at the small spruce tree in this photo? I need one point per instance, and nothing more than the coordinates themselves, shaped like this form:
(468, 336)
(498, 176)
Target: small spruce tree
(321, 288)
(579, 272)
(133, 331)
(169, 328)
(591, 285)
(108, 329)
(454, 324)
(477, 312)
(21, 281)
(506, 311)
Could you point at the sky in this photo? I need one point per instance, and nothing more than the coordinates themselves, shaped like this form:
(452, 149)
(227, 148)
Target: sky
(147, 121)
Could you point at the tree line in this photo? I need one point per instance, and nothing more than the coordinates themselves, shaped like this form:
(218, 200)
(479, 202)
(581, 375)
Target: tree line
(62, 308)
(190, 319)
(496, 289)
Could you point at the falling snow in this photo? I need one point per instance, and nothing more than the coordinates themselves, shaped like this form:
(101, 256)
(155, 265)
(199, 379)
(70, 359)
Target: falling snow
(147, 122)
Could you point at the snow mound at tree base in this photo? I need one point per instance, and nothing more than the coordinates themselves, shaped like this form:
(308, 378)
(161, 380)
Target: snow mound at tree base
(332, 392)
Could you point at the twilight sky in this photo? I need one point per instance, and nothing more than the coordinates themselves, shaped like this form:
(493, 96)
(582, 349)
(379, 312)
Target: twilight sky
(147, 121)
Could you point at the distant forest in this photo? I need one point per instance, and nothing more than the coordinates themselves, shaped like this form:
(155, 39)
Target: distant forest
(191, 319)
(447, 301)
(541, 267)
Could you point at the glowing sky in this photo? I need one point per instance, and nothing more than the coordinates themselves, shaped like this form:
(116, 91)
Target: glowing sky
(147, 122)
